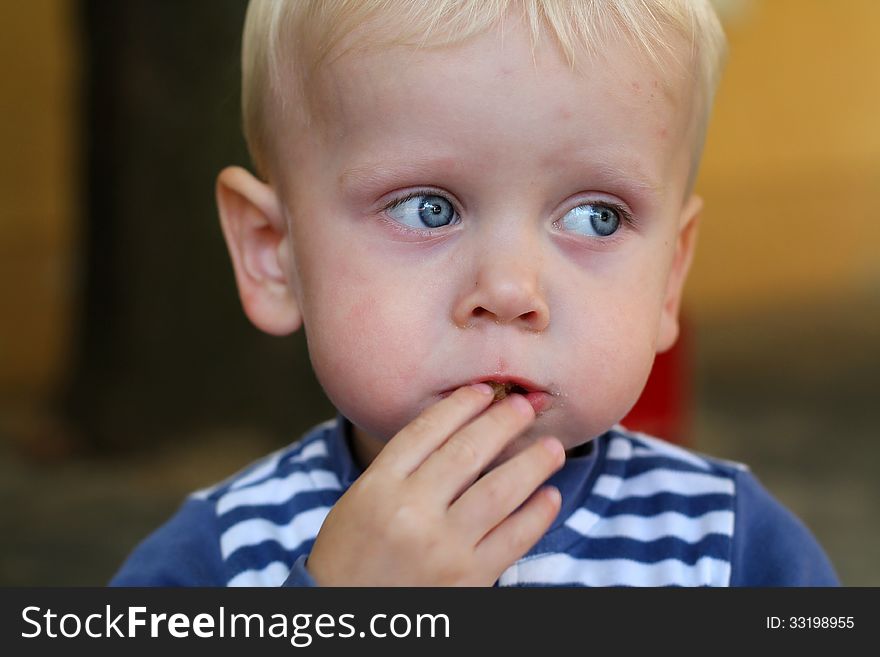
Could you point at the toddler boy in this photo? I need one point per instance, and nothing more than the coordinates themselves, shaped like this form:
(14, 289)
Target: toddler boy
(481, 214)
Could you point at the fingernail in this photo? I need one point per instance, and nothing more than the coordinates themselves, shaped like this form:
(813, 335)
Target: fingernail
(552, 493)
(483, 388)
(555, 448)
(522, 404)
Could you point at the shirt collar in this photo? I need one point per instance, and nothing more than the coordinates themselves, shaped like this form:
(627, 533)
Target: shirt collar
(340, 451)
(576, 478)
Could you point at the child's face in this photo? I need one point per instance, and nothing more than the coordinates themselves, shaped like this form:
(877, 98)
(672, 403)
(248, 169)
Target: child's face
(532, 270)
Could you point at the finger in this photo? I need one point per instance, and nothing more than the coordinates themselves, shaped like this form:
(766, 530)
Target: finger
(499, 493)
(421, 437)
(457, 463)
(515, 536)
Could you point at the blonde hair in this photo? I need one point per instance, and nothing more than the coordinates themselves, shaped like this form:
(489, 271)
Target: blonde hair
(311, 29)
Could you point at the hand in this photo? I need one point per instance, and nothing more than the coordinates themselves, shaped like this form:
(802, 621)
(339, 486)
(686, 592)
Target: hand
(421, 514)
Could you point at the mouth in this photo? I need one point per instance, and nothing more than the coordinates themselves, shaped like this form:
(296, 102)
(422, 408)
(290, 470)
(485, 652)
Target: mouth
(502, 386)
(501, 390)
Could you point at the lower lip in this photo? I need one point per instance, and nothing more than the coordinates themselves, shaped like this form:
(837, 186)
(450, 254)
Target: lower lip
(540, 401)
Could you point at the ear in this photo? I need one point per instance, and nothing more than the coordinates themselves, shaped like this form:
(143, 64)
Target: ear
(259, 245)
(686, 240)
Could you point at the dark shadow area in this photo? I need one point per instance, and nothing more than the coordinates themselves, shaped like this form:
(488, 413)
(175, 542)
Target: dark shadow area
(161, 337)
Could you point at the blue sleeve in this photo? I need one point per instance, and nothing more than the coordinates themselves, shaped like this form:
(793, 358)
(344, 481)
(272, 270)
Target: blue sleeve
(771, 547)
(185, 551)
(299, 576)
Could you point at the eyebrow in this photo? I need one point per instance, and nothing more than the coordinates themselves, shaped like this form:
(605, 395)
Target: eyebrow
(375, 173)
(630, 175)
(631, 178)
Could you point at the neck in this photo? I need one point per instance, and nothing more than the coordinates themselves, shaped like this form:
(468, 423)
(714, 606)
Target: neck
(364, 448)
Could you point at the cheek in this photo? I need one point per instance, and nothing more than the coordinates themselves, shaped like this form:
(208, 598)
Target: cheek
(369, 339)
(612, 334)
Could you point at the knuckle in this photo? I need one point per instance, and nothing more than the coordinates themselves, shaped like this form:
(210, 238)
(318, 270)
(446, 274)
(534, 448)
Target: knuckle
(451, 572)
(368, 487)
(495, 493)
(463, 450)
(407, 523)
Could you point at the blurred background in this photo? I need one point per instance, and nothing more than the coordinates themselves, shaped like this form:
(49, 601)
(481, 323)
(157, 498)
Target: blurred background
(129, 375)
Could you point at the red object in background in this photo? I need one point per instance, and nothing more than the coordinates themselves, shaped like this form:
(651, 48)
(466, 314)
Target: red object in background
(664, 408)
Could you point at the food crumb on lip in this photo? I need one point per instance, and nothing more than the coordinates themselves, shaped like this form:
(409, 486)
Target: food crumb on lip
(501, 390)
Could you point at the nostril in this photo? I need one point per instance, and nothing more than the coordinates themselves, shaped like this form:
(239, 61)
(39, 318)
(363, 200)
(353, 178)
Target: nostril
(532, 320)
(528, 317)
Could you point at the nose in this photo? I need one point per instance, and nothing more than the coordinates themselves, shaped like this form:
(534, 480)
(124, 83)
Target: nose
(507, 291)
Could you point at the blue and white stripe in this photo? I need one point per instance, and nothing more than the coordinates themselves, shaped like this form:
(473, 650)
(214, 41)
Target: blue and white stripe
(271, 513)
(656, 515)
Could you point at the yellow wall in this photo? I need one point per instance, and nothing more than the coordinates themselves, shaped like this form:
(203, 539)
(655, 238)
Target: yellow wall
(791, 174)
(37, 186)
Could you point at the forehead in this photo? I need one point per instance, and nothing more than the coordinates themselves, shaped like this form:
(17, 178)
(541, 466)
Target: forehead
(496, 95)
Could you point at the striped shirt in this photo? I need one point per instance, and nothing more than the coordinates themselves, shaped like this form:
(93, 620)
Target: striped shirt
(636, 511)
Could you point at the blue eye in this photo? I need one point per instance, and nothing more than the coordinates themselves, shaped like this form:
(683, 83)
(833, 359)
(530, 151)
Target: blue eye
(423, 211)
(593, 219)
